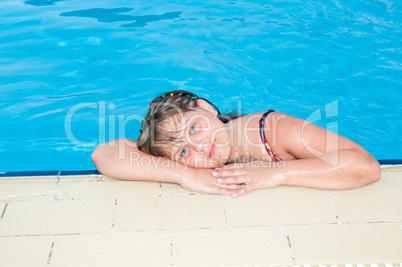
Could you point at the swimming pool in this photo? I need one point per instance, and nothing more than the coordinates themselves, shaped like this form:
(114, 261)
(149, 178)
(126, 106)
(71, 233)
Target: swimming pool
(76, 73)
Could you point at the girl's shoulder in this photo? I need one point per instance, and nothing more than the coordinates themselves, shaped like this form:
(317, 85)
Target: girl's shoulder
(253, 120)
(258, 115)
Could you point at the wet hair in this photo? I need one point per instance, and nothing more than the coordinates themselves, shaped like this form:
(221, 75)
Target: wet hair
(154, 137)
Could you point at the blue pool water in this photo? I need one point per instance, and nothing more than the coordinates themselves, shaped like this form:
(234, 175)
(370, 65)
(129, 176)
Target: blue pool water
(75, 73)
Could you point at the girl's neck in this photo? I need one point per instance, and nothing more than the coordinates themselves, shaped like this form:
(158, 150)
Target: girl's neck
(245, 139)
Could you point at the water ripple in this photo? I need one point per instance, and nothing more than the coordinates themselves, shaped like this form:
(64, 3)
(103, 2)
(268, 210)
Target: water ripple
(113, 15)
(42, 2)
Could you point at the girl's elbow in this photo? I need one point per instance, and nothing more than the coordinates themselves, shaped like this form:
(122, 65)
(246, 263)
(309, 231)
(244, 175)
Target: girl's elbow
(375, 170)
(371, 170)
(96, 154)
(98, 157)
(364, 170)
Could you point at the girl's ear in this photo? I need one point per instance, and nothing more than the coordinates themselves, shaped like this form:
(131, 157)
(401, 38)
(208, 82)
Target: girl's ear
(205, 105)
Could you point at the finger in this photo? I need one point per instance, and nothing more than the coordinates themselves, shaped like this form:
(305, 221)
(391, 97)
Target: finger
(232, 186)
(232, 166)
(228, 173)
(241, 192)
(221, 191)
(233, 180)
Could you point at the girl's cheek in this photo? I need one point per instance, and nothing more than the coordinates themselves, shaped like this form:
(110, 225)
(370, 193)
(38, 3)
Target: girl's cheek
(189, 161)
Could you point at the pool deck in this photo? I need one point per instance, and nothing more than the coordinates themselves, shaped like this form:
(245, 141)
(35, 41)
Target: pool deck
(93, 220)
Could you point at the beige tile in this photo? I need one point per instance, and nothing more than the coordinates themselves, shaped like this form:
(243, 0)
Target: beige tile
(346, 243)
(58, 217)
(288, 188)
(25, 251)
(388, 180)
(117, 249)
(169, 212)
(99, 188)
(174, 189)
(24, 188)
(91, 177)
(30, 179)
(88, 177)
(368, 205)
(279, 207)
(391, 168)
(2, 206)
(246, 246)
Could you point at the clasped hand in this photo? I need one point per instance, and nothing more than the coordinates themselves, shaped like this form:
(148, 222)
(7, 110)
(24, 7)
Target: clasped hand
(242, 178)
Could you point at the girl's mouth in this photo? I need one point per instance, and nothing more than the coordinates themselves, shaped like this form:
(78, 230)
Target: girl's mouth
(212, 151)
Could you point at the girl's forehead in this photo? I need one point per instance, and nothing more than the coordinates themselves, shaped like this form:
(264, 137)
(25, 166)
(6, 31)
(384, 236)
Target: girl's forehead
(174, 126)
(176, 121)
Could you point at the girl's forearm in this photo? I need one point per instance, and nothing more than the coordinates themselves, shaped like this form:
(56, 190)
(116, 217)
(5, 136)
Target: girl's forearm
(345, 169)
(121, 159)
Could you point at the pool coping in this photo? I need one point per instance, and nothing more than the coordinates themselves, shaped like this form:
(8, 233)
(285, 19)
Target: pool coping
(96, 172)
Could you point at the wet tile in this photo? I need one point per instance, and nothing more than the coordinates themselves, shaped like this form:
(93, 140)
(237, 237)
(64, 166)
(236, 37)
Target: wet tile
(368, 205)
(2, 206)
(169, 212)
(288, 188)
(58, 217)
(246, 246)
(24, 188)
(388, 179)
(114, 249)
(29, 179)
(391, 168)
(100, 188)
(25, 251)
(346, 243)
(174, 189)
(90, 177)
(279, 207)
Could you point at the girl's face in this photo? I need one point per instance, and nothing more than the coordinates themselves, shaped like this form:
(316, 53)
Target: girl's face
(205, 140)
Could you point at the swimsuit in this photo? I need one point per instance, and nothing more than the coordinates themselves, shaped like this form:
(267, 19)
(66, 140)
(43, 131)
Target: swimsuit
(262, 135)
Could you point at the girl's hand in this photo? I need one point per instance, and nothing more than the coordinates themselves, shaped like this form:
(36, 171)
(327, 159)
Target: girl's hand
(202, 181)
(253, 175)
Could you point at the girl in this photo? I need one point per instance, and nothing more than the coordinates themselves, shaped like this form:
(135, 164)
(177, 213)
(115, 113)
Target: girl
(185, 140)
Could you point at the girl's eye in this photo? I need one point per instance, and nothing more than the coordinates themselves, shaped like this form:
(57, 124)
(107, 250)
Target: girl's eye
(183, 152)
(192, 129)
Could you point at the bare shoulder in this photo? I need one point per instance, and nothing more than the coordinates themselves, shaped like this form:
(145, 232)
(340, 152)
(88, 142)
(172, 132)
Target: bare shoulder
(303, 139)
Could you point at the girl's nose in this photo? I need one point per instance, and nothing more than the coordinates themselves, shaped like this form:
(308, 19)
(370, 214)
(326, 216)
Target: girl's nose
(200, 145)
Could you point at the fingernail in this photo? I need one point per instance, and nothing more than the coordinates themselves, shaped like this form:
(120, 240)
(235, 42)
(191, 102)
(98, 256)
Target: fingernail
(234, 195)
(215, 173)
(219, 180)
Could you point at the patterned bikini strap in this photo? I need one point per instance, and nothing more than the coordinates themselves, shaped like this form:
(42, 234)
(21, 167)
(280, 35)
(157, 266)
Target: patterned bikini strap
(262, 135)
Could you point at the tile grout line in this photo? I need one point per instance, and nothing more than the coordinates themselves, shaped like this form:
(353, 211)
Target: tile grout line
(50, 252)
(55, 186)
(224, 212)
(114, 214)
(290, 245)
(171, 248)
(333, 208)
(4, 211)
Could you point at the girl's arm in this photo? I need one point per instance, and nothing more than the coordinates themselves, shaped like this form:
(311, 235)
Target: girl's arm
(121, 159)
(326, 159)
(315, 158)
